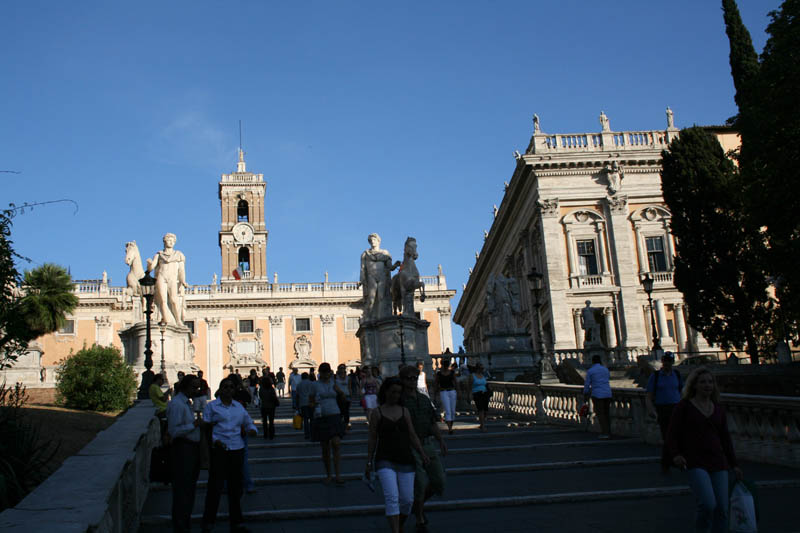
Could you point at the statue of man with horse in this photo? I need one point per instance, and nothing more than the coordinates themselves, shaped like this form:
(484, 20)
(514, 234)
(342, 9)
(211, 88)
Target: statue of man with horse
(406, 281)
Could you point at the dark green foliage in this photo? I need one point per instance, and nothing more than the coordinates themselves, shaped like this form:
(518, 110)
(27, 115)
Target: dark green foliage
(95, 379)
(719, 254)
(23, 455)
(12, 344)
(48, 298)
(743, 57)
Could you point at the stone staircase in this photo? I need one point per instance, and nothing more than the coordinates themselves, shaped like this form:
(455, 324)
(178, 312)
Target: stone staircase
(519, 476)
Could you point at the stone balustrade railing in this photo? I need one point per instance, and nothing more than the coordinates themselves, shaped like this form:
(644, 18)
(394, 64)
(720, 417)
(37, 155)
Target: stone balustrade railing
(101, 489)
(763, 428)
(602, 141)
(614, 356)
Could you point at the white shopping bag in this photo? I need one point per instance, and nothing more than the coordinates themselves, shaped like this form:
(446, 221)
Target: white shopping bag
(742, 510)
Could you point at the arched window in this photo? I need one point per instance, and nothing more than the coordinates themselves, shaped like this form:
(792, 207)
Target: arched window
(244, 260)
(243, 211)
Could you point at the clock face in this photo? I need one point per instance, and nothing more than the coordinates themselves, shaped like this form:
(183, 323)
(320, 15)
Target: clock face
(243, 233)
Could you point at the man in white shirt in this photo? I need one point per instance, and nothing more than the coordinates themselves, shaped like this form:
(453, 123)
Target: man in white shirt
(184, 429)
(230, 423)
(598, 386)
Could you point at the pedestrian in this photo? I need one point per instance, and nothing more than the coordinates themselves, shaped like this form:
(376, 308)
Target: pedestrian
(343, 400)
(391, 437)
(422, 382)
(202, 394)
(269, 402)
(294, 381)
(280, 381)
(370, 391)
(327, 427)
(229, 421)
(699, 442)
(598, 386)
(157, 396)
(311, 375)
(445, 385)
(428, 479)
(181, 375)
(352, 382)
(663, 393)
(252, 386)
(243, 397)
(184, 429)
(480, 394)
(303, 390)
(376, 374)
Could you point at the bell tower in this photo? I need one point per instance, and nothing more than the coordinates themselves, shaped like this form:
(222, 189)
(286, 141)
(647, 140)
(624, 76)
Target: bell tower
(243, 233)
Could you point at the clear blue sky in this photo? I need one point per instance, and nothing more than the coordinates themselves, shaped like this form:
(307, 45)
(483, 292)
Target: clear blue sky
(399, 118)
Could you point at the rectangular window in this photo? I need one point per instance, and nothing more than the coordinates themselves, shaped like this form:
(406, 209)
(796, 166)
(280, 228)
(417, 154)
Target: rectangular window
(656, 258)
(245, 326)
(189, 324)
(68, 328)
(351, 323)
(587, 260)
(302, 324)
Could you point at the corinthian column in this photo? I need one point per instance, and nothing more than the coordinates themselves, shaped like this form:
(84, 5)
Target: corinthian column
(611, 332)
(680, 327)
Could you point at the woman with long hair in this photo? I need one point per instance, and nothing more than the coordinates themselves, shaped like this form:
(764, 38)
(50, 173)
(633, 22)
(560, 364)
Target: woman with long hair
(698, 442)
(445, 385)
(327, 427)
(480, 394)
(391, 436)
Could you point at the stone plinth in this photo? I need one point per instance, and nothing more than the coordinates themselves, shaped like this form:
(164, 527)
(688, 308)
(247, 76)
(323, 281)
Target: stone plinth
(509, 342)
(381, 343)
(177, 351)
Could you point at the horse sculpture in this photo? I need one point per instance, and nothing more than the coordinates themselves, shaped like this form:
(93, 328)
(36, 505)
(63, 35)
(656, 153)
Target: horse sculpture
(134, 260)
(406, 281)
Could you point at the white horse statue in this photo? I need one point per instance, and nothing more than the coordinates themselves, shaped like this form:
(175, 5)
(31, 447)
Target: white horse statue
(134, 260)
(406, 281)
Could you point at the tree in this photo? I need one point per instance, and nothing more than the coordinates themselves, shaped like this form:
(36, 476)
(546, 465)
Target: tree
(49, 297)
(96, 379)
(13, 342)
(719, 254)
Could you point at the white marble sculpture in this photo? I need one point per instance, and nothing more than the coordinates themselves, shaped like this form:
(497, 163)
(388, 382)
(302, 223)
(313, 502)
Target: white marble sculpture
(670, 119)
(406, 281)
(503, 303)
(536, 127)
(376, 268)
(134, 260)
(604, 123)
(614, 175)
(169, 266)
(590, 326)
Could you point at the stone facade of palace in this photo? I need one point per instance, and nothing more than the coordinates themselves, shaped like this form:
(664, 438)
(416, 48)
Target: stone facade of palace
(586, 211)
(233, 323)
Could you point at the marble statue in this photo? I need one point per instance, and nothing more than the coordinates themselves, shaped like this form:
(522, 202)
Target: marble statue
(614, 175)
(604, 124)
(214, 279)
(670, 119)
(494, 210)
(505, 185)
(105, 278)
(376, 268)
(485, 235)
(406, 281)
(275, 278)
(169, 266)
(503, 303)
(326, 276)
(590, 326)
(231, 343)
(517, 155)
(259, 342)
(536, 127)
(439, 269)
(134, 260)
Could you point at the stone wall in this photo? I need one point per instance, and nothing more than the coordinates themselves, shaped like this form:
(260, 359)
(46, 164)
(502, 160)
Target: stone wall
(100, 489)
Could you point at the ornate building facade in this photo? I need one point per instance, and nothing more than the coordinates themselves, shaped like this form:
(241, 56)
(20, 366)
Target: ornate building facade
(586, 211)
(241, 321)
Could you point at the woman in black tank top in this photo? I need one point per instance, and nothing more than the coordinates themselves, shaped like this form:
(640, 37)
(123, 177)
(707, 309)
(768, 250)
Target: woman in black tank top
(445, 384)
(391, 437)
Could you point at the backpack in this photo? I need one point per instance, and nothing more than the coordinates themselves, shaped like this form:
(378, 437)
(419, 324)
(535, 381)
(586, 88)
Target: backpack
(658, 373)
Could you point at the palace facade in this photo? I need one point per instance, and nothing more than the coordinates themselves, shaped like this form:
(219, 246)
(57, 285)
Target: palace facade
(242, 321)
(586, 211)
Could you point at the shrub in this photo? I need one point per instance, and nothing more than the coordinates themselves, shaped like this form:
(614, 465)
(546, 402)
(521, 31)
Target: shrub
(24, 456)
(95, 379)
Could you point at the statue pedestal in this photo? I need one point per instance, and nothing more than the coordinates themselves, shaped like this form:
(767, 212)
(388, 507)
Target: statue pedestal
(381, 343)
(176, 348)
(509, 342)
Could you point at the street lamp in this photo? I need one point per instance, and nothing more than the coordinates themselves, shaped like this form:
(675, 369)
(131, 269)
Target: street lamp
(148, 286)
(163, 328)
(402, 342)
(647, 285)
(536, 285)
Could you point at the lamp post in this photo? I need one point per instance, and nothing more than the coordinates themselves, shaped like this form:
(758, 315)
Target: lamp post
(647, 285)
(148, 286)
(402, 342)
(535, 282)
(163, 328)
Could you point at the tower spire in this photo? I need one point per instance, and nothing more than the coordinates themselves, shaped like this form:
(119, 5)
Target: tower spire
(240, 165)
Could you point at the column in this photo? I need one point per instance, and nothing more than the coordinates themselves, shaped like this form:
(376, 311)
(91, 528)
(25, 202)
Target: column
(573, 262)
(277, 343)
(640, 248)
(445, 328)
(601, 248)
(661, 320)
(680, 327)
(576, 320)
(669, 247)
(330, 353)
(611, 331)
(214, 351)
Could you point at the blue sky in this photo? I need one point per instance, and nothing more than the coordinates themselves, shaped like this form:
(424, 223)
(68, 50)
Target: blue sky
(399, 118)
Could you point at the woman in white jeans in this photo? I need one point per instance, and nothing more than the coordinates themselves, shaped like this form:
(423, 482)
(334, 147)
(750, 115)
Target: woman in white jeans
(446, 385)
(391, 435)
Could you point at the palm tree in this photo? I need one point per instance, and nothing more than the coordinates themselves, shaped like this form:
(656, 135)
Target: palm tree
(49, 298)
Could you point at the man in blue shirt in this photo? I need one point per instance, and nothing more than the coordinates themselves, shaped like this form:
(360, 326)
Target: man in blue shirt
(598, 386)
(304, 389)
(184, 452)
(663, 393)
(230, 423)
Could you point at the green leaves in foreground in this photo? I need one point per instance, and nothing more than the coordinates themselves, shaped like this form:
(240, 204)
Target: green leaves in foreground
(95, 379)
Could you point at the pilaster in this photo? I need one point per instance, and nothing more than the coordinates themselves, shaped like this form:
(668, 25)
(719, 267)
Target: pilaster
(214, 351)
(277, 342)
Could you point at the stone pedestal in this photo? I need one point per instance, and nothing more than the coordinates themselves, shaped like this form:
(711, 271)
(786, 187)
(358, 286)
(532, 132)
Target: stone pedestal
(177, 339)
(381, 343)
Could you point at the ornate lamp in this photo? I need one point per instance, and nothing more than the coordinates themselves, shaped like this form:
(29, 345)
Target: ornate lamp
(647, 285)
(148, 285)
(163, 329)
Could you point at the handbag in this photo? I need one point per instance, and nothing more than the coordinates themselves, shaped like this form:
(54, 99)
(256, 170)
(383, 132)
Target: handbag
(297, 421)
